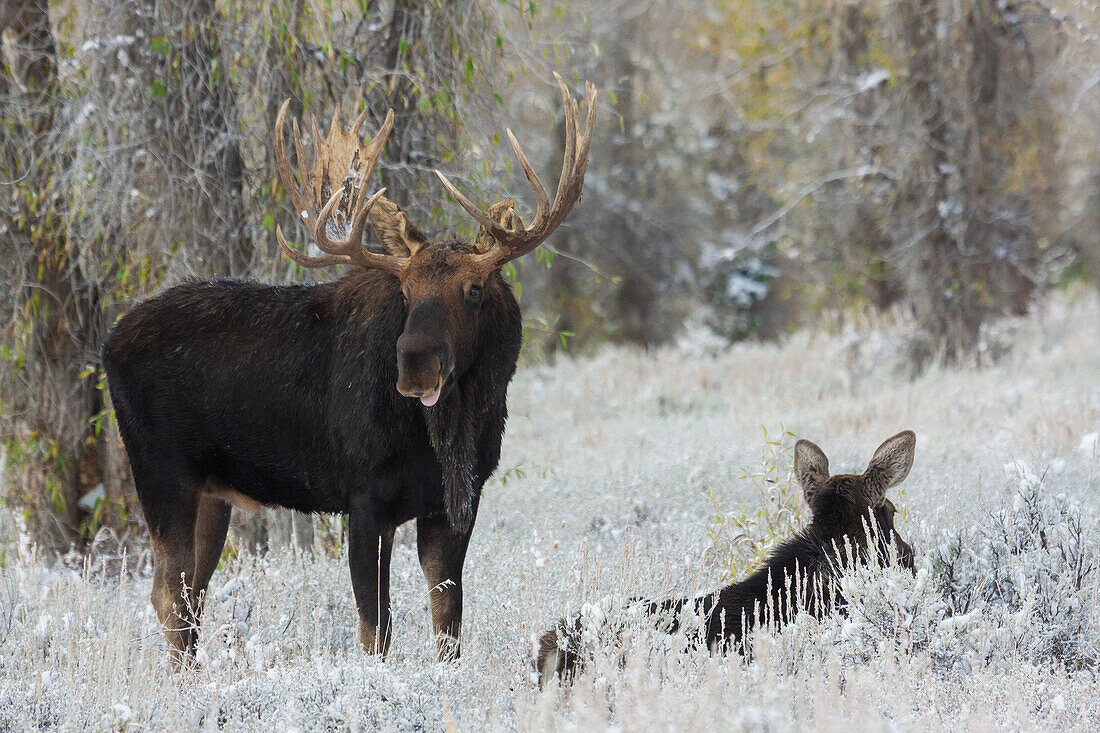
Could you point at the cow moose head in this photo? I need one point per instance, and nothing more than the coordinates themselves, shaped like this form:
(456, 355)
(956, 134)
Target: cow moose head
(444, 284)
(841, 505)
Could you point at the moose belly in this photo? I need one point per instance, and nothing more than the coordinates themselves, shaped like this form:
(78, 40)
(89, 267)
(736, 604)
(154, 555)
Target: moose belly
(406, 486)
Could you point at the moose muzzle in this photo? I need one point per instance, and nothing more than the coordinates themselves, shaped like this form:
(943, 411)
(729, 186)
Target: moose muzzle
(905, 553)
(424, 362)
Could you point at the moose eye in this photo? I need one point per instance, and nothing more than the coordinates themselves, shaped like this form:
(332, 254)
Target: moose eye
(473, 294)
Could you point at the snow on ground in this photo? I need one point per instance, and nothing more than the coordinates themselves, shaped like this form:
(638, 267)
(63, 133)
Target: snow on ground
(603, 492)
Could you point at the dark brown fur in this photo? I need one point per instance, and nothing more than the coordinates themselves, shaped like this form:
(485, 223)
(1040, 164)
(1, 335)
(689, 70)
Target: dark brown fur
(381, 396)
(295, 396)
(841, 507)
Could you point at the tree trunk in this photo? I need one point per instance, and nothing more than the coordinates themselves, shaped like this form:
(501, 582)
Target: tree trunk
(47, 304)
(146, 161)
(406, 29)
(947, 296)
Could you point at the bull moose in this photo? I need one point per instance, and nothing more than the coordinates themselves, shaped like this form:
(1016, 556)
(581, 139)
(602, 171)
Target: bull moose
(846, 511)
(381, 395)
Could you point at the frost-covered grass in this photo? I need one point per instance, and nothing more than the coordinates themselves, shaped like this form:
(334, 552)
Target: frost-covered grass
(619, 477)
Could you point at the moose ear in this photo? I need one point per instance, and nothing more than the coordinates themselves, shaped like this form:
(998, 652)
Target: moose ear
(394, 230)
(811, 468)
(890, 464)
(504, 213)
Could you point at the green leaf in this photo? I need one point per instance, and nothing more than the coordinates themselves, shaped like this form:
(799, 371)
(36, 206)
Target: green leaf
(161, 45)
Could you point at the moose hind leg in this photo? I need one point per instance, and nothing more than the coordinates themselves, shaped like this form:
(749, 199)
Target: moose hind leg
(173, 579)
(211, 526)
(169, 496)
(442, 553)
(369, 549)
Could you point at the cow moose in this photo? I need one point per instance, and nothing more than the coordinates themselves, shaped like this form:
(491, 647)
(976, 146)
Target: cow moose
(847, 511)
(381, 395)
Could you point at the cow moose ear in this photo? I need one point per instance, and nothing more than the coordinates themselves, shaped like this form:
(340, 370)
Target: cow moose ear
(890, 465)
(394, 230)
(504, 213)
(811, 468)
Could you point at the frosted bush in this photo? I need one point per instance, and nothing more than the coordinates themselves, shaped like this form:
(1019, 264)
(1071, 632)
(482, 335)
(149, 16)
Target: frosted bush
(1021, 584)
(742, 539)
(1034, 563)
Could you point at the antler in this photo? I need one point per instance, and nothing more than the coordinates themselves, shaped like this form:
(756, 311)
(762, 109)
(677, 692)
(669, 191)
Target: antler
(518, 241)
(339, 157)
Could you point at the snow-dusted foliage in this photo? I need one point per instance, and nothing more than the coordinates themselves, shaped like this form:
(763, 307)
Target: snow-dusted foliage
(1032, 568)
(1019, 586)
(732, 277)
(615, 473)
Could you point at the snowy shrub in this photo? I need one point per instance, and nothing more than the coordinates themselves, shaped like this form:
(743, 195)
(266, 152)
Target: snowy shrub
(892, 612)
(733, 277)
(1034, 562)
(1022, 584)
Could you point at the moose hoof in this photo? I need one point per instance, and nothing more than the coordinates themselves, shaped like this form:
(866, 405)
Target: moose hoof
(450, 648)
(372, 641)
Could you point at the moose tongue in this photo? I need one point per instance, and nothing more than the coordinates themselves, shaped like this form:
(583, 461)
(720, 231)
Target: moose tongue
(431, 399)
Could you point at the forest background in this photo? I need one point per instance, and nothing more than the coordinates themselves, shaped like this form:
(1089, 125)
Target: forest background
(760, 167)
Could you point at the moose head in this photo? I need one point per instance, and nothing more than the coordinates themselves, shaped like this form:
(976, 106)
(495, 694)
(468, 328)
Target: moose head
(842, 505)
(445, 285)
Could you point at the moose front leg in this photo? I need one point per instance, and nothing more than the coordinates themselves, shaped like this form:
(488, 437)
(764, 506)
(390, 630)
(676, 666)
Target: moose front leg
(369, 549)
(442, 553)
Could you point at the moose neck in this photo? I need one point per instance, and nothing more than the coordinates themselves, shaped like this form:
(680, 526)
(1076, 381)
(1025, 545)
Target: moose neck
(477, 394)
(792, 579)
(477, 399)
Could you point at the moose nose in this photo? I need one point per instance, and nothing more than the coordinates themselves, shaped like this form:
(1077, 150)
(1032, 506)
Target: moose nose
(419, 354)
(419, 375)
(419, 366)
